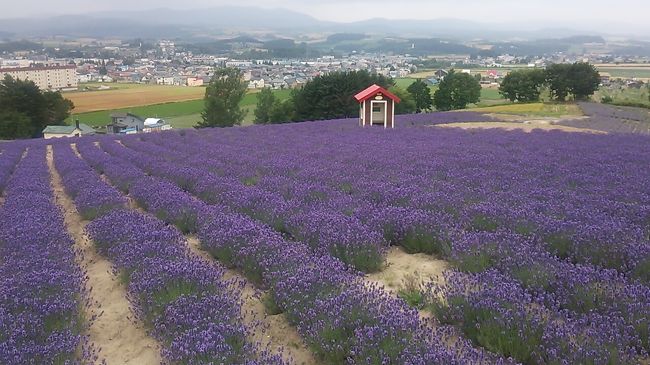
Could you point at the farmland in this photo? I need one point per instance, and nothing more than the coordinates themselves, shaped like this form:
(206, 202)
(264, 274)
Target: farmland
(121, 96)
(284, 244)
(184, 114)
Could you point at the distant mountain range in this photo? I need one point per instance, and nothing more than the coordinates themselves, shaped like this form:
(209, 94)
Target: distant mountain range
(192, 24)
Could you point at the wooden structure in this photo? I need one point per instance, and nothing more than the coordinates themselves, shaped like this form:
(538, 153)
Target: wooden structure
(377, 107)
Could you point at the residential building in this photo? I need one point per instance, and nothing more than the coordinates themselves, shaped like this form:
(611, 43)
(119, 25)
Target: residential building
(194, 81)
(45, 77)
(63, 131)
(124, 122)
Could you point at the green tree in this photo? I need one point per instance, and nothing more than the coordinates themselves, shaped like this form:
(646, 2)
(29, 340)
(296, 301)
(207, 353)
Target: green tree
(15, 125)
(407, 104)
(456, 90)
(421, 95)
(523, 85)
(23, 98)
(222, 99)
(58, 108)
(584, 80)
(579, 79)
(265, 103)
(558, 79)
(281, 112)
(332, 96)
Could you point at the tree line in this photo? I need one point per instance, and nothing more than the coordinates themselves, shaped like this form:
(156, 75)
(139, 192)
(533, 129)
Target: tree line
(328, 96)
(579, 80)
(331, 96)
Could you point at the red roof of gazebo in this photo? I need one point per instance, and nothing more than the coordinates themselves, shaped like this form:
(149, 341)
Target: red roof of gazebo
(374, 90)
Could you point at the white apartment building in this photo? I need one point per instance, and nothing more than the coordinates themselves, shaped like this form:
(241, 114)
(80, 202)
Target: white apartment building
(45, 77)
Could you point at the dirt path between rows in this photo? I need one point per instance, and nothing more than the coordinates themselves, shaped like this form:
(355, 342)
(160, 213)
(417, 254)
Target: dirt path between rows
(119, 338)
(278, 332)
(402, 267)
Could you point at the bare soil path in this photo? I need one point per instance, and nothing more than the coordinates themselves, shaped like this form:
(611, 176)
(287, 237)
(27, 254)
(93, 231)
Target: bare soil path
(277, 333)
(525, 126)
(401, 265)
(114, 331)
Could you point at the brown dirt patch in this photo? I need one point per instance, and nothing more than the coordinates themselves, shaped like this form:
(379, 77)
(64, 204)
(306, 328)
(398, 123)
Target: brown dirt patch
(400, 265)
(132, 97)
(527, 126)
(118, 336)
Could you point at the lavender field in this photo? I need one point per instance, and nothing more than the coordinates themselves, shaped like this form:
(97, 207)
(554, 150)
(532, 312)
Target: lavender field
(257, 245)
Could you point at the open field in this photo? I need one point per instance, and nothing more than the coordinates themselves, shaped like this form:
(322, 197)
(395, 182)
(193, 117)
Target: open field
(123, 96)
(479, 242)
(626, 95)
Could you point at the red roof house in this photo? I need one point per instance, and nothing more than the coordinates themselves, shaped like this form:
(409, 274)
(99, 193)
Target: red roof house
(377, 107)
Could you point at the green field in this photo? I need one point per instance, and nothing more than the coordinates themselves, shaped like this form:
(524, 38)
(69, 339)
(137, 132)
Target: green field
(184, 114)
(627, 73)
(626, 95)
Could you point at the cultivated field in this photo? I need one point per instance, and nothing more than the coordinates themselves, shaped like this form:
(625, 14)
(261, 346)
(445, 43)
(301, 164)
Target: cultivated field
(183, 114)
(122, 96)
(327, 243)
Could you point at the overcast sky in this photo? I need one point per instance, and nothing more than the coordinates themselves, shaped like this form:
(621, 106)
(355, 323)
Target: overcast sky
(635, 13)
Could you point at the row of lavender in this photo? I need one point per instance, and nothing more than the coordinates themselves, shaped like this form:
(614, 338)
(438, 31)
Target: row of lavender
(610, 118)
(608, 216)
(41, 287)
(299, 218)
(10, 156)
(400, 205)
(342, 319)
(534, 193)
(628, 345)
(623, 310)
(191, 309)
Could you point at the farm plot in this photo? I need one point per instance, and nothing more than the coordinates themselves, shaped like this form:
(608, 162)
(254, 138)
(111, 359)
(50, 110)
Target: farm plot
(324, 242)
(129, 97)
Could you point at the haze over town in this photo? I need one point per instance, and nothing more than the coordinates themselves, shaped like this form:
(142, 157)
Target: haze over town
(628, 16)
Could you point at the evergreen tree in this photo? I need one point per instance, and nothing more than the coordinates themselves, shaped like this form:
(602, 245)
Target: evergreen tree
(222, 99)
(407, 104)
(332, 96)
(14, 125)
(281, 112)
(265, 103)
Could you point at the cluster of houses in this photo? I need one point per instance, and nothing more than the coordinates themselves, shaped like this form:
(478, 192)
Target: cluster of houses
(196, 71)
(121, 123)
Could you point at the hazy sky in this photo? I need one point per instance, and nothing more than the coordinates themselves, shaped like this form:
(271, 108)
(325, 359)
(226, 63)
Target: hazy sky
(564, 12)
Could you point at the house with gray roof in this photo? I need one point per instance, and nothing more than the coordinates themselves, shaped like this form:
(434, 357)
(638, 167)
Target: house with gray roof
(62, 131)
(124, 121)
